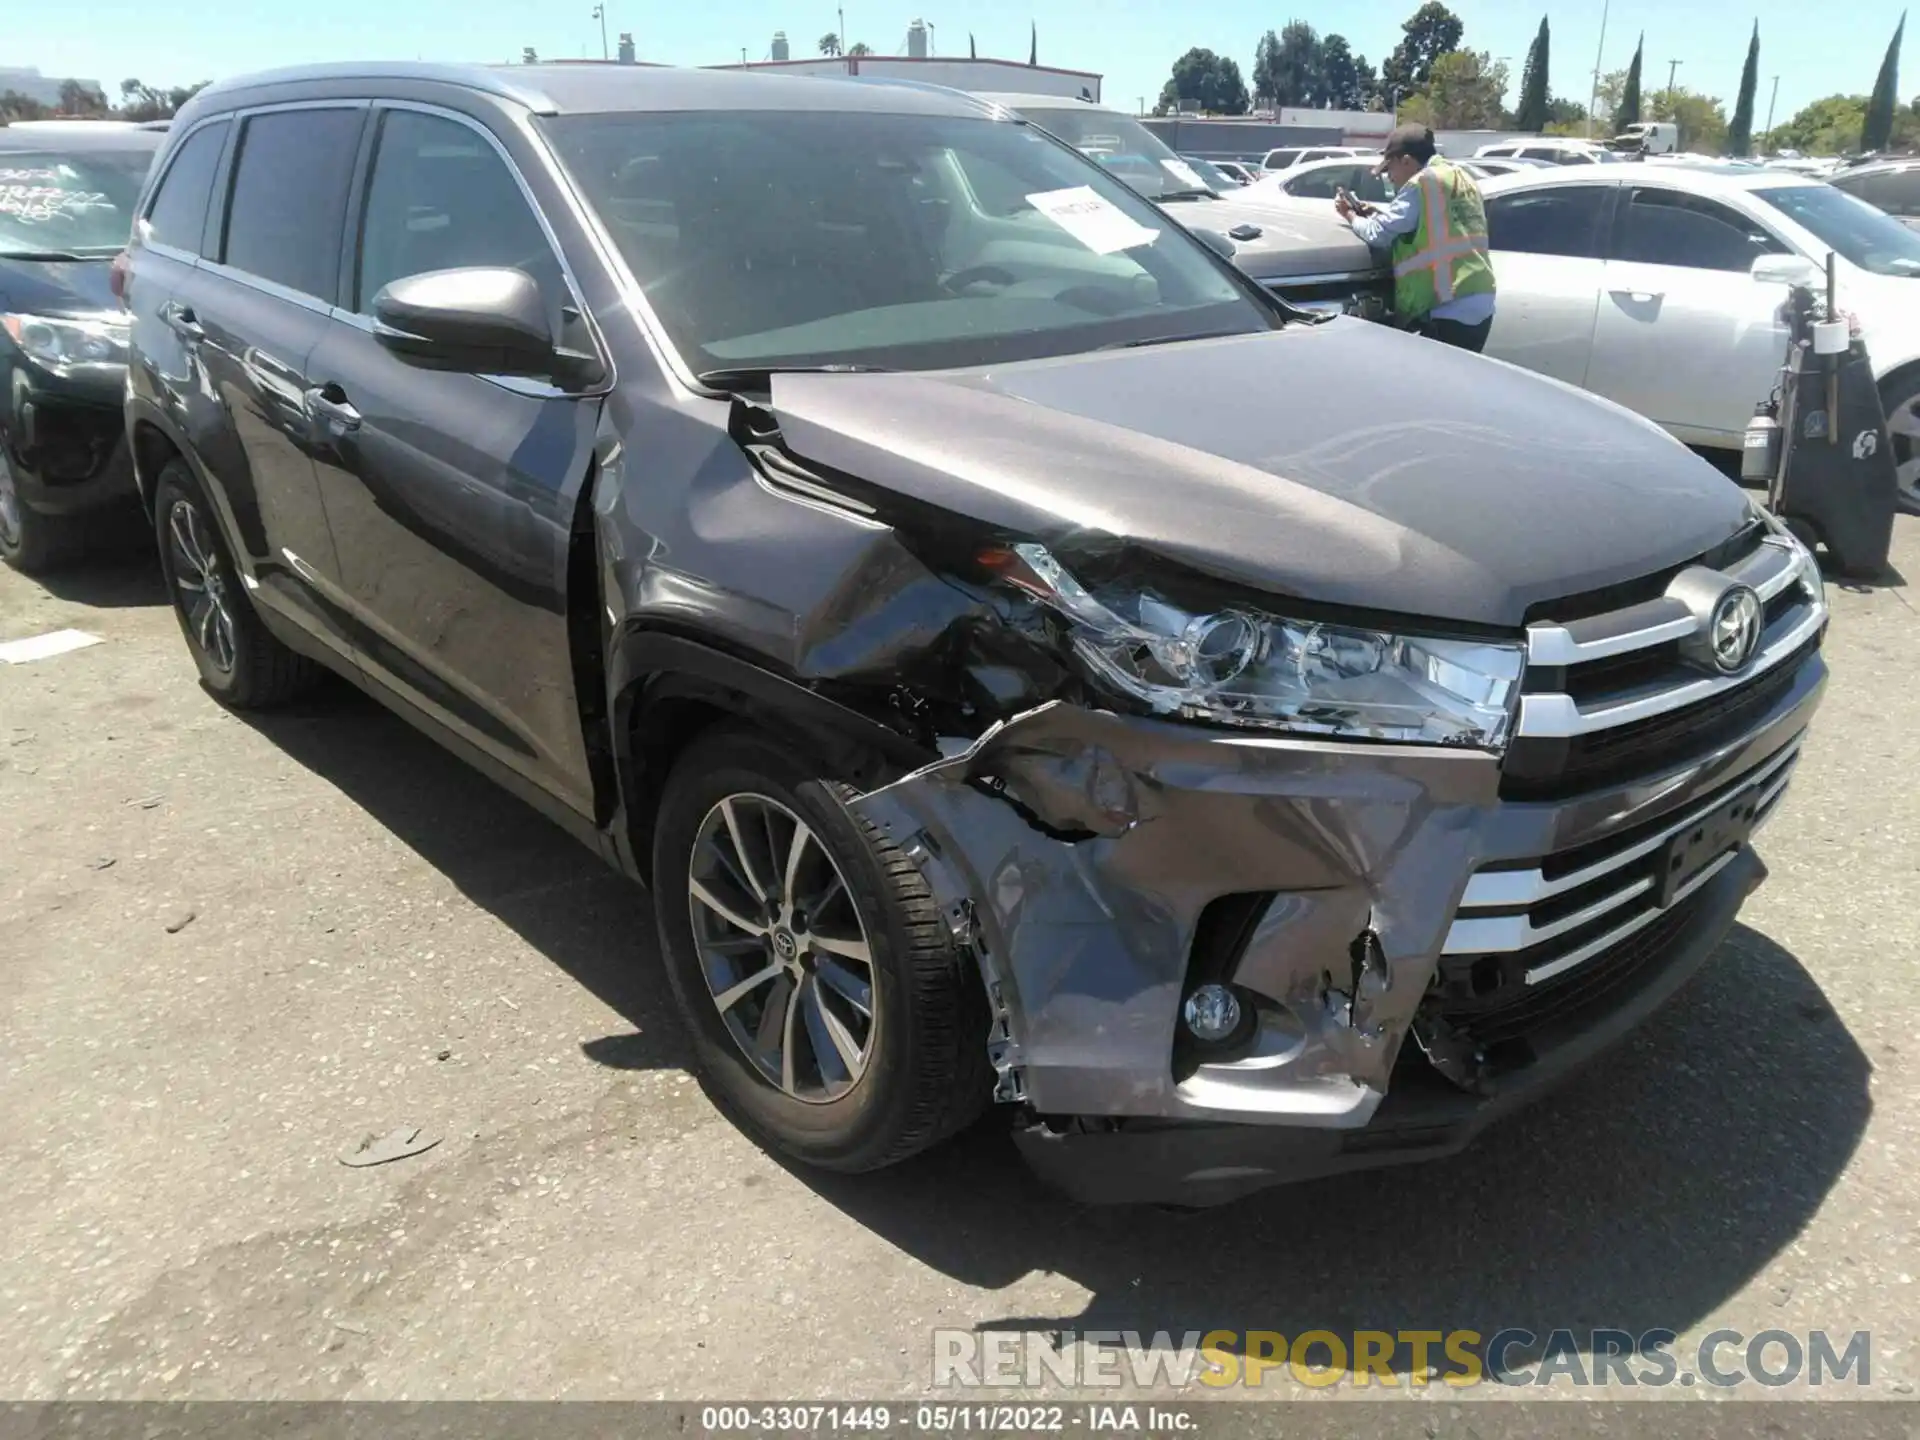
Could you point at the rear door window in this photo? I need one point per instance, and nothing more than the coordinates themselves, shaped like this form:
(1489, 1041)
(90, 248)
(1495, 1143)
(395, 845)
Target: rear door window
(1563, 220)
(1669, 227)
(1895, 191)
(178, 214)
(289, 197)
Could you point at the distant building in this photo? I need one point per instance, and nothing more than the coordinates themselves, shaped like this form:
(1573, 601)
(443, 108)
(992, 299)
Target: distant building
(28, 81)
(957, 71)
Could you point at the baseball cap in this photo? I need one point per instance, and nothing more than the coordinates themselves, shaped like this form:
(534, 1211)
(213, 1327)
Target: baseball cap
(1412, 140)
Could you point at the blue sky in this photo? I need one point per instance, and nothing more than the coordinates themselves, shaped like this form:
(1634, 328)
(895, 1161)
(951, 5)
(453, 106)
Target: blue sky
(1131, 42)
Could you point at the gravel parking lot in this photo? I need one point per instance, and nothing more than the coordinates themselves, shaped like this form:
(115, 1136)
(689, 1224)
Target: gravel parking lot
(231, 948)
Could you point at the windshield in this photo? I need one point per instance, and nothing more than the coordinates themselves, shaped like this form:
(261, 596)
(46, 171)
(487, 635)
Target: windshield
(1869, 238)
(1124, 146)
(782, 239)
(77, 202)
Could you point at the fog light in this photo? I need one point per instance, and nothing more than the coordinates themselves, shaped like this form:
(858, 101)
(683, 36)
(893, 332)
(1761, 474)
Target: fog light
(1212, 1012)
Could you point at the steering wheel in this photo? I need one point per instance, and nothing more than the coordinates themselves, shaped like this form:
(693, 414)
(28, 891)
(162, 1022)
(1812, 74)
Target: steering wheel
(979, 274)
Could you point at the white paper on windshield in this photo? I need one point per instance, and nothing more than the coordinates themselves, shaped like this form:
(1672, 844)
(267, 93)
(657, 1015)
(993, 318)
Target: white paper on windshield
(1094, 222)
(1184, 173)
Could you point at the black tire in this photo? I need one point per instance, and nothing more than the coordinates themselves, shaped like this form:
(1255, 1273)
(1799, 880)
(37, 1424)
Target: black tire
(1900, 401)
(249, 669)
(927, 1075)
(32, 542)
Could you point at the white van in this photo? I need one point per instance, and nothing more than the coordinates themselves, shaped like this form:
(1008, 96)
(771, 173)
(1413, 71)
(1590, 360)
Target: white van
(1650, 137)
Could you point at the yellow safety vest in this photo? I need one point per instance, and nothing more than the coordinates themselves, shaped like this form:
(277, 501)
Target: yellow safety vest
(1446, 258)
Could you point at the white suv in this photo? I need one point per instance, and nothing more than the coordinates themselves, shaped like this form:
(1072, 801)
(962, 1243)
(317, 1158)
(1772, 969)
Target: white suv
(1553, 151)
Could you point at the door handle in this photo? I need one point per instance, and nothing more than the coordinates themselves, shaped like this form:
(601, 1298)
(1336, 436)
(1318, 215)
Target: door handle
(1641, 297)
(330, 403)
(180, 319)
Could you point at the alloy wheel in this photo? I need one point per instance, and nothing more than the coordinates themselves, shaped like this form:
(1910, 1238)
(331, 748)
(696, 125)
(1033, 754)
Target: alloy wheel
(1904, 425)
(783, 948)
(9, 507)
(203, 598)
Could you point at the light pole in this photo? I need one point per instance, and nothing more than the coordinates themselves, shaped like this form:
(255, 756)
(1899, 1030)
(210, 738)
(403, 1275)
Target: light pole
(600, 14)
(1770, 102)
(933, 40)
(1593, 96)
(1673, 67)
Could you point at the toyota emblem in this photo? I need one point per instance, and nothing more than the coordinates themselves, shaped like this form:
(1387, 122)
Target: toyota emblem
(1734, 630)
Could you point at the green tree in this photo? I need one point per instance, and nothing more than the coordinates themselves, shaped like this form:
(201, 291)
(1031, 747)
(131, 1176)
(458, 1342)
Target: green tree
(1533, 113)
(1627, 112)
(1566, 112)
(1826, 127)
(141, 101)
(1346, 79)
(1266, 66)
(15, 106)
(1298, 77)
(859, 47)
(1876, 127)
(80, 100)
(1465, 90)
(1701, 119)
(829, 44)
(1208, 80)
(1740, 133)
(1366, 84)
(1432, 31)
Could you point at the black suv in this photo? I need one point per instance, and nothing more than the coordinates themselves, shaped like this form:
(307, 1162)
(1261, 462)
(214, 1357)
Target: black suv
(1028, 660)
(67, 196)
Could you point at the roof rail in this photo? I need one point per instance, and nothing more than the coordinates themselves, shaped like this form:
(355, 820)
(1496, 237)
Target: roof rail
(488, 79)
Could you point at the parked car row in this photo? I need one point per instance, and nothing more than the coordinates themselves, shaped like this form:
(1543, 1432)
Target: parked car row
(1297, 250)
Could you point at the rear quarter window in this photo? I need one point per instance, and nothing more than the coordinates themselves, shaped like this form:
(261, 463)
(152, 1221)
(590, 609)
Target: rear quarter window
(177, 215)
(289, 197)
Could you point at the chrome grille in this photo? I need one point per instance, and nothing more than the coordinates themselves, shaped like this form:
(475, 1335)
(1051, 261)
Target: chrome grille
(1614, 696)
(1528, 924)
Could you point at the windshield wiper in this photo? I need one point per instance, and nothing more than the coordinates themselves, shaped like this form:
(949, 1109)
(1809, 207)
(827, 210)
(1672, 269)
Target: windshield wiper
(1186, 195)
(47, 255)
(758, 377)
(1173, 339)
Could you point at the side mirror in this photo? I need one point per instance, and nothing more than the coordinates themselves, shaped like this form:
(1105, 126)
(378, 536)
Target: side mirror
(1214, 241)
(481, 321)
(1788, 270)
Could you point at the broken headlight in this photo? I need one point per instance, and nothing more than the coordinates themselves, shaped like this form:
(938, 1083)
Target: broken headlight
(1241, 667)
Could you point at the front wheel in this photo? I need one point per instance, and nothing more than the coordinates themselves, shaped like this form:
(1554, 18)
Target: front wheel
(826, 1002)
(31, 542)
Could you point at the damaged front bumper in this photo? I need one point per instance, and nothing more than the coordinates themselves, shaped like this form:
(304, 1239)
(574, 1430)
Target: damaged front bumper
(1356, 897)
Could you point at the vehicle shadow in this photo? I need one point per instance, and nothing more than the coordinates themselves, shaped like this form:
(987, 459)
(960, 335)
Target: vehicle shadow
(110, 577)
(502, 855)
(1639, 1197)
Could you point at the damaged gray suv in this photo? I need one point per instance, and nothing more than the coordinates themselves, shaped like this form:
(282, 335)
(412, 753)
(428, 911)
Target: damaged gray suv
(1030, 663)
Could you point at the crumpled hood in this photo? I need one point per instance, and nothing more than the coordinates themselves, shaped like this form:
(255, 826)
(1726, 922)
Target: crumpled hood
(1340, 462)
(1292, 240)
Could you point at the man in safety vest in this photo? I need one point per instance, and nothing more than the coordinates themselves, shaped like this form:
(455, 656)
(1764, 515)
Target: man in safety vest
(1437, 223)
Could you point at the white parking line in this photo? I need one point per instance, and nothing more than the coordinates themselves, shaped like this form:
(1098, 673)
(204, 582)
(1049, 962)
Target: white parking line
(45, 647)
